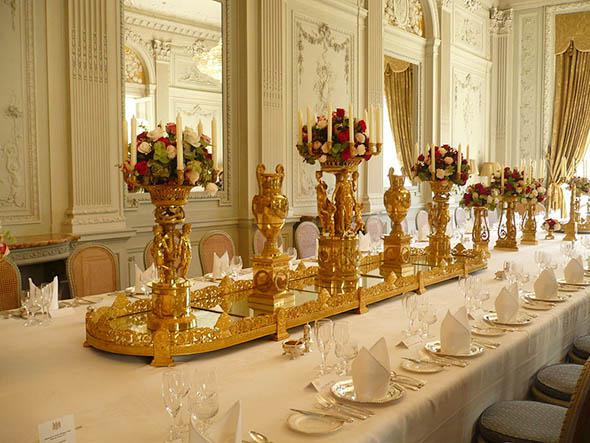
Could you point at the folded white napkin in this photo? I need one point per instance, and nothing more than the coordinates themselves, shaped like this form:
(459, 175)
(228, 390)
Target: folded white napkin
(371, 372)
(507, 304)
(574, 271)
(143, 277)
(220, 265)
(228, 429)
(455, 333)
(49, 288)
(423, 232)
(364, 242)
(546, 285)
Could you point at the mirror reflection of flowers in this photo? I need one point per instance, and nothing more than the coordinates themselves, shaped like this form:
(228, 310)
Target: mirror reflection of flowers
(582, 185)
(551, 224)
(480, 196)
(341, 148)
(534, 191)
(156, 159)
(512, 180)
(446, 166)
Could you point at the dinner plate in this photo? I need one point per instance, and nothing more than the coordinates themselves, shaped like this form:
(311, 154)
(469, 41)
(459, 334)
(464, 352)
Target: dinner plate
(537, 306)
(522, 319)
(344, 389)
(421, 367)
(487, 332)
(562, 281)
(569, 288)
(435, 348)
(312, 425)
(557, 299)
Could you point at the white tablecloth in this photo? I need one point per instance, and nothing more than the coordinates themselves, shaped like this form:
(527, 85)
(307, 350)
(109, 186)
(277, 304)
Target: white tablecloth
(46, 373)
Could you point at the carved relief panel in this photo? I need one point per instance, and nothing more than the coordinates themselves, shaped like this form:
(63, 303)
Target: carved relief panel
(469, 32)
(405, 14)
(469, 110)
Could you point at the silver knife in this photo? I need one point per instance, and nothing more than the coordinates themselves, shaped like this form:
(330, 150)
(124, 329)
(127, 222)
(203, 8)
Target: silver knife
(323, 415)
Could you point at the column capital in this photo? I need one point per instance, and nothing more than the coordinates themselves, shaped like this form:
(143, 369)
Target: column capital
(500, 21)
(445, 4)
(161, 50)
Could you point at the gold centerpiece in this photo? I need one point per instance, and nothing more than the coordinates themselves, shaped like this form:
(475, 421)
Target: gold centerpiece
(571, 227)
(271, 267)
(339, 143)
(529, 224)
(396, 245)
(480, 233)
(480, 198)
(509, 185)
(439, 243)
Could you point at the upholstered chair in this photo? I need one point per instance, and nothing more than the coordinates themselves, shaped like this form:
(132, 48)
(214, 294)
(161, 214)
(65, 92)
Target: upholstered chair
(532, 421)
(555, 384)
(92, 269)
(148, 257)
(10, 284)
(258, 242)
(374, 226)
(580, 351)
(306, 235)
(217, 242)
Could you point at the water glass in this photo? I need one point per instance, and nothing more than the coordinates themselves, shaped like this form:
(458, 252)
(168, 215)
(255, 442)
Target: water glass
(26, 301)
(172, 395)
(235, 266)
(324, 334)
(410, 304)
(347, 352)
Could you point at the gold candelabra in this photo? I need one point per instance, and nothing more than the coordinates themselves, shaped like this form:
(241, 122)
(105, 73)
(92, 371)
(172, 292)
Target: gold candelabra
(507, 231)
(271, 267)
(172, 257)
(439, 243)
(481, 231)
(529, 224)
(571, 227)
(396, 245)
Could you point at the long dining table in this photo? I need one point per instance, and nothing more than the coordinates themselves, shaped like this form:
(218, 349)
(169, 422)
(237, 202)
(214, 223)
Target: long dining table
(45, 373)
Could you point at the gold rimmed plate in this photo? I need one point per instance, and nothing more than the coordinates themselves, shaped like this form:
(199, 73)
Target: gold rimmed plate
(313, 425)
(569, 288)
(521, 320)
(562, 281)
(556, 299)
(344, 390)
(537, 306)
(487, 331)
(421, 367)
(434, 347)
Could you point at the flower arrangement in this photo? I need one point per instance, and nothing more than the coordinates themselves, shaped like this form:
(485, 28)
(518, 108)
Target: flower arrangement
(509, 183)
(5, 238)
(551, 225)
(340, 149)
(582, 184)
(534, 191)
(156, 161)
(480, 196)
(445, 165)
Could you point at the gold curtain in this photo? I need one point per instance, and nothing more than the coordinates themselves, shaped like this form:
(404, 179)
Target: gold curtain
(399, 96)
(571, 117)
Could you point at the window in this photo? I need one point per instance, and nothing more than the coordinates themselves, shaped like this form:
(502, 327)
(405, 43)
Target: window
(389, 151)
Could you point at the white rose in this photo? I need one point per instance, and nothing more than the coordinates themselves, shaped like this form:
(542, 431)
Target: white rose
(322, 122)
(442, 151)
(361, 149)
(534, 193)
(211, 189)
(475, 195)
(190, 136)
(145, 148)
(323, 158)
(448, 160)
(542, 190)
(171, 151)
(156, 133)
(495, 192)
(490, 199)
(360, 137)
(440, 174)
(192, 176)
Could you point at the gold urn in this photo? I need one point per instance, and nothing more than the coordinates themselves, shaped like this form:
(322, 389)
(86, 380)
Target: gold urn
(571, 227)
(439, 243)
(396, 245)
(271, 267)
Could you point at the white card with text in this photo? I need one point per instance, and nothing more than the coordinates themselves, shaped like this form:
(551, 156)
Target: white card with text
(58, 430)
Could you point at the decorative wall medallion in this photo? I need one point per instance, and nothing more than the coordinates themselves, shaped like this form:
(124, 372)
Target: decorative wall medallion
(405, 14)
(194, 75)
(527, 86)
(500, 21)
(467, 107)
(134, 72)
(469, 32)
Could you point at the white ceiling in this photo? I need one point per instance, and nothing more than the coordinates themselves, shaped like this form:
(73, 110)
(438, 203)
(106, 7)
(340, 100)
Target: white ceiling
(200, 11)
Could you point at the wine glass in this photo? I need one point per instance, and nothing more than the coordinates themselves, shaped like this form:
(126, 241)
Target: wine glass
(430, 317)
(46, 296)
(26, 300)
(292, 253)
(410, 303)
(172, 396)
(341, 337)
(539, 259)
(235, 266)
(324, 334)
(347, 352)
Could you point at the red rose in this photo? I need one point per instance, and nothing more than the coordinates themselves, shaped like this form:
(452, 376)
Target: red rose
(141, 137)
(362, 126)
(171, 128)
(515, 175)
(467, 197)
(164, 140)
(421, 158)
(367, 156)
(346, 154)
(464, 176)
(343, 136)
(340, 112)
(3, 248)
(142, 167)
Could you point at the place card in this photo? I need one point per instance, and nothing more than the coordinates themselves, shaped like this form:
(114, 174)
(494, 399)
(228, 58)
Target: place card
(58, 430)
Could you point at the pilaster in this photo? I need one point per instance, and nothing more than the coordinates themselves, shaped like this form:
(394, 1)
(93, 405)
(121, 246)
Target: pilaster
(446, 23)
(161, 51)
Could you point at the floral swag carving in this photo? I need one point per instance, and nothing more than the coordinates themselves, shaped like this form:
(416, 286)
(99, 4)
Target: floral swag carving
(500, 21)
(405, 14)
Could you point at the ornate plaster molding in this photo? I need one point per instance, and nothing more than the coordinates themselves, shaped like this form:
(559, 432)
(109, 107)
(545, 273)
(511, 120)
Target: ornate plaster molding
(500, 21)
(144, 21)
(405, 14)
(472, 5)
(445, 4)
(527, 85)
(162, 50)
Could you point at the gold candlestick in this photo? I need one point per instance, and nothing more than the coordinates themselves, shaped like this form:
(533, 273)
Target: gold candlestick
(529, 224)
(571, 227)
(396, 246)
(341, 219)
(271, 267)
(172, 256)
(481, 231)
(439, 243)
(507, 233)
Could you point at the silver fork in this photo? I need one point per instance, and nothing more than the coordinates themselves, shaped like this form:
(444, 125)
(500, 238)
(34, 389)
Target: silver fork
(346, 405)
(340, 410)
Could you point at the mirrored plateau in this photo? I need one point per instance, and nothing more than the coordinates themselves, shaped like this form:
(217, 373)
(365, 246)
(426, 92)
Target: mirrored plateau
(226, 316)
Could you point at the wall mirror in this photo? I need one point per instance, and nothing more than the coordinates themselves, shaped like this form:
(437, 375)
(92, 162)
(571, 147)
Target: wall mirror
(174, 58)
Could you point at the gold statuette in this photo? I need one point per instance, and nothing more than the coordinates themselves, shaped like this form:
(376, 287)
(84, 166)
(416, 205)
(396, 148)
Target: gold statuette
(571, 227)
(529, 224)
(481, 231)
(507, 226)
(439, 243)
